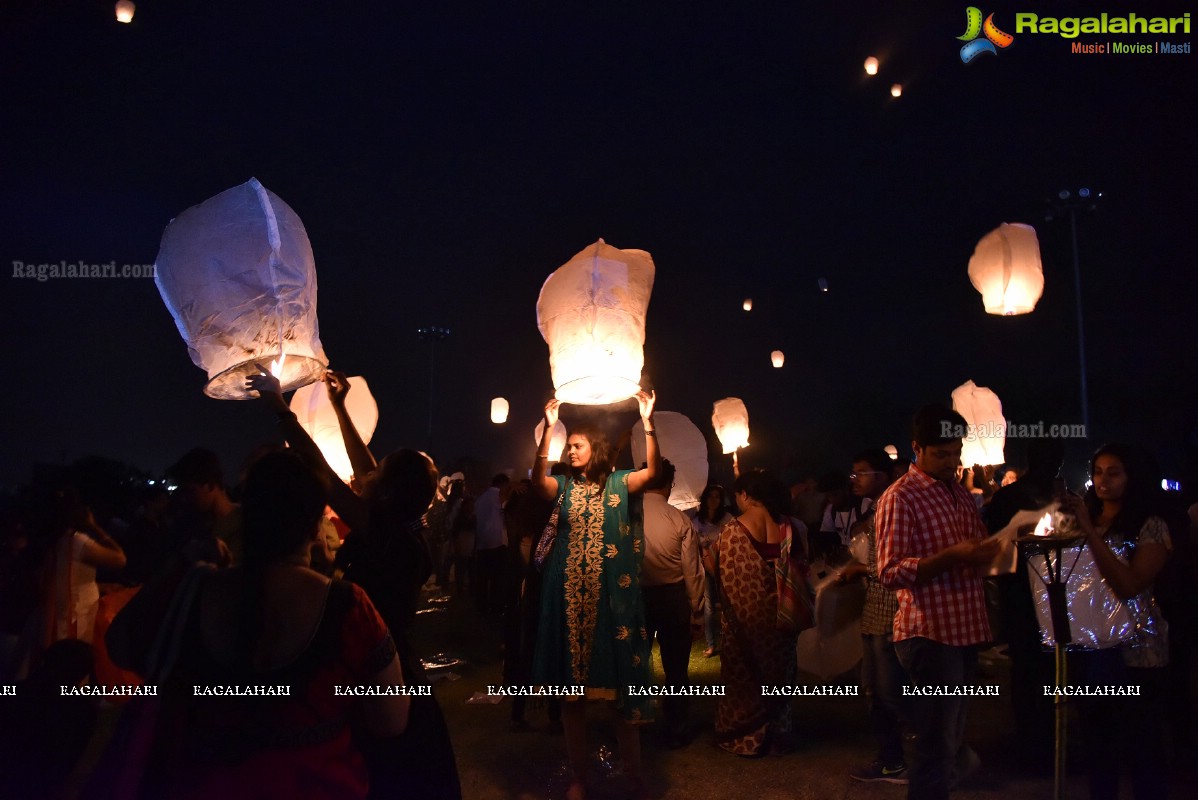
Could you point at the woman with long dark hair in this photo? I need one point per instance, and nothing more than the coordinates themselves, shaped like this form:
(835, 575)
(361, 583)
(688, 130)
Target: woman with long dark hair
(1127, 531)
(592, 627)
(709, 519)
(755, 568)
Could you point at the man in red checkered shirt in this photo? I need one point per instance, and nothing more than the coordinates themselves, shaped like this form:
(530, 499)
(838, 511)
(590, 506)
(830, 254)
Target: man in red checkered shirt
(931, 547)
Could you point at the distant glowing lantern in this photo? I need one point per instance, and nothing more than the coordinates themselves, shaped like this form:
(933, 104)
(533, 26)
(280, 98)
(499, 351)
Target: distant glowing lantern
(591, 313)
(1005, 268)
(823, 284)
(682, 442)
(892, 451)
(777, 358)
(124, 11)
(730, 419)
(557, 440)
(315, 413)
(499, 409)
(896, 90)
(987, 432)
(748, 304)
(237, 274)
(871, 66)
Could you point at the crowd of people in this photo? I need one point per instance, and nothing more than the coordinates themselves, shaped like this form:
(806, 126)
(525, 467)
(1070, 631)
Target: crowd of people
(297, 579)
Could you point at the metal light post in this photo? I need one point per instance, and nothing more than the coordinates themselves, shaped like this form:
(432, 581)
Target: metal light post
(1068, 202)
(432, 334)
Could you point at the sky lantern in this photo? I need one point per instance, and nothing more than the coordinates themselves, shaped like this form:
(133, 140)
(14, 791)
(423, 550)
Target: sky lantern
(871, 66)
(315, 413)
(777, 358)
(681, 441)
(987, 432)
(237, 274)
(499, 409)
(730, 419)
(896, 90)
(557, 441)
(591, 312)
(1005, 268)
(748, 304)
(124, 10)
(892, 451)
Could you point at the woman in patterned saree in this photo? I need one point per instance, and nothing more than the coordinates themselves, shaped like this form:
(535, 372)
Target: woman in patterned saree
(592, 626)
(754, 652)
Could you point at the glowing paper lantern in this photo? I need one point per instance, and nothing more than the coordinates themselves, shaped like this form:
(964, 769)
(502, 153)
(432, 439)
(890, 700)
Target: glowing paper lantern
(896, 90)
(987, 433)
(777, 358)
(557, 440)
(730, 419)
(871, 66)
(124, 11)
(1005, 268)
(237, 274)
(591, 312)
(892, 451)
(748, 304)
(681, 441)
(315, 413)
(499, 409)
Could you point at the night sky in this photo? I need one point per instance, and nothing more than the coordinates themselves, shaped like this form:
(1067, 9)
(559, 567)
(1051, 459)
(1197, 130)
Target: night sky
(445, 162)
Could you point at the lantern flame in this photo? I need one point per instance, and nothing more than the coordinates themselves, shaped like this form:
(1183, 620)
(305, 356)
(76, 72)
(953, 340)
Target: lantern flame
(1044, 527)
(276, 366)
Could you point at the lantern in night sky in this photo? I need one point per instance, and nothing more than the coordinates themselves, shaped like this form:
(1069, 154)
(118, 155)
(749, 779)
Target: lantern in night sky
(871, 66)
(777, 358)
(591, 312)
(1005, 268)
(730, 419)
(896, 90)
(748, 304)
(124, 11)
(499, 409)
(557, 441)
(237, 274)
(681, 441)
(892, 451)
(315, 413)
(987, 433)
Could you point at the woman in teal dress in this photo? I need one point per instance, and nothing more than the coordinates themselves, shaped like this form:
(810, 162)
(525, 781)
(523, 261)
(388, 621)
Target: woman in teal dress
(592, 626)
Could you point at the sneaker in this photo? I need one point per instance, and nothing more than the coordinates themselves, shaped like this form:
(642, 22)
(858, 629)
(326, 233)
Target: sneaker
(877, 771)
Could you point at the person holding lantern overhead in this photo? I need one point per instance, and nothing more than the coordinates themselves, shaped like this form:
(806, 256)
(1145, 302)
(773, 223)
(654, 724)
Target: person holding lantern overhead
(592, 627)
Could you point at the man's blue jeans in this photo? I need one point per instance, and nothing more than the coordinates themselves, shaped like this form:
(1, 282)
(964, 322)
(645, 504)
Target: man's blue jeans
(883, 678)
(939, 721)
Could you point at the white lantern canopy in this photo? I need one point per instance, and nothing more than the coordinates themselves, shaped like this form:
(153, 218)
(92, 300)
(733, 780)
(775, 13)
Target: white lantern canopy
(892, 451)
(871, 66)
(730, 419)
(748, 304)
(591, 312)
(1005, 268)
(896, 90)
(681, 441)
(777, 358)
(987, 432)
(499, 409)
(124, 10)
(237, 274)
(315, 413)
(557, 440)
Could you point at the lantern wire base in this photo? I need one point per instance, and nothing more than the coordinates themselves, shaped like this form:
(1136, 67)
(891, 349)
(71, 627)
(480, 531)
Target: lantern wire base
(596, 391)
(297, 371)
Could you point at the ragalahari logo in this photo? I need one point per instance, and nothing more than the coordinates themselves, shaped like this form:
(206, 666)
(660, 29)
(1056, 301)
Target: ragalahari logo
(974, 26)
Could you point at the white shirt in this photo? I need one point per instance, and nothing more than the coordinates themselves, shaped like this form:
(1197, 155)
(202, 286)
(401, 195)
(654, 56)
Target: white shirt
(671, 549)
(488, 526)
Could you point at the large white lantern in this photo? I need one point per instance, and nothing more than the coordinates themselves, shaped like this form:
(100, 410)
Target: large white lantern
(237, 274)
(1005, 268)
(315, 413)
(777, 358)
(987, 432)
(499, 409)
(681, 441)
(730, 419)
(124, 10)
(591, 312)
(557, 439)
